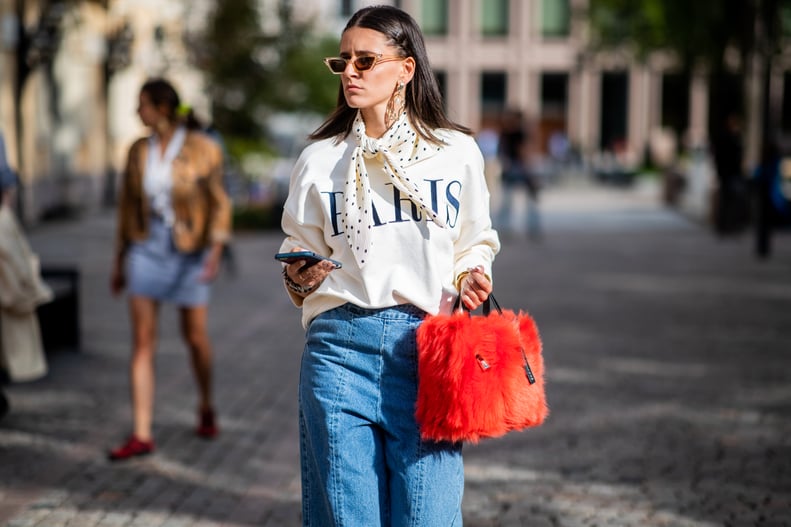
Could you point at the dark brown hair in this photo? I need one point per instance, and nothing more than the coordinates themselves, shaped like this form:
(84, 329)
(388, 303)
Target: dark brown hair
(423, 98)
(162, 93)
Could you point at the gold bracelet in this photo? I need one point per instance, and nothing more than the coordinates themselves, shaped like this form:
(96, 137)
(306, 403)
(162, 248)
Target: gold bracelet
(459, 279)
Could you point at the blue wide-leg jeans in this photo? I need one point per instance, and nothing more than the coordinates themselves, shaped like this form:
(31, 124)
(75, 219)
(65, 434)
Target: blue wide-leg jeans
(363, 463)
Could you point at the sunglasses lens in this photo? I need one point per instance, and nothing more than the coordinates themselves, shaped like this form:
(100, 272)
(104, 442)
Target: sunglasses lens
(336, 65)
(364, 63)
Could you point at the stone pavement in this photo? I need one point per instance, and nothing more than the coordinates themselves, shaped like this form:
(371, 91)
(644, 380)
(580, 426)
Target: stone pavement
(668, 370)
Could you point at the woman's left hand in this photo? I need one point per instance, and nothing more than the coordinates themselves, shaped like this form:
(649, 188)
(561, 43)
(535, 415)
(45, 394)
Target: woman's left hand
(475, 288)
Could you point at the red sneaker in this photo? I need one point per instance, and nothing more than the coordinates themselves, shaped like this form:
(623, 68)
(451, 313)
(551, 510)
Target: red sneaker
(207, 426)
(132, 448)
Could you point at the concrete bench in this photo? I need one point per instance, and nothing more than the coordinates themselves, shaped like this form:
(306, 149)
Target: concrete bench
(60, 318)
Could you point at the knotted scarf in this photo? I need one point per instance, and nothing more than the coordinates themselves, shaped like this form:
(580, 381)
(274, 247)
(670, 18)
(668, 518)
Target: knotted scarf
(399, 147)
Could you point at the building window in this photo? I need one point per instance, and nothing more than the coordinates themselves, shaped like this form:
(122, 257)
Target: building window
(554, 94)
(494, 18)
(434, 17)
(552, 124)
(786, 109)
(493, 92)
(347, 8)
(614, 110)
(675, 102)
(555, 18)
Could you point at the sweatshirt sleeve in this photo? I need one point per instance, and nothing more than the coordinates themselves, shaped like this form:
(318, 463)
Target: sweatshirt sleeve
(477, 242)
(302, 220)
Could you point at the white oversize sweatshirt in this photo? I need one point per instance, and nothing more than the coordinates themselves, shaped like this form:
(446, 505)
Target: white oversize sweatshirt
(411, 259)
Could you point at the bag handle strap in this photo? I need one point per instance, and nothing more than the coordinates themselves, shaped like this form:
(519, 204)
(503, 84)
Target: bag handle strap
(486, 306)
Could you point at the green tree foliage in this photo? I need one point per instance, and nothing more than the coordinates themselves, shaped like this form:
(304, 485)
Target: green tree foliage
(697, 33)
(235, 76)
(254, 73)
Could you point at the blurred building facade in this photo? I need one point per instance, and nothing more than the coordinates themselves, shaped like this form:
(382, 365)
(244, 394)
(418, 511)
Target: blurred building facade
(70, 72)
(531, 54)
(68, 94)
(534, 55)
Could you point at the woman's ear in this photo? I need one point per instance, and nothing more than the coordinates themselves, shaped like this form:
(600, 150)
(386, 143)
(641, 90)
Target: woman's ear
(407, 69)
(165, 112)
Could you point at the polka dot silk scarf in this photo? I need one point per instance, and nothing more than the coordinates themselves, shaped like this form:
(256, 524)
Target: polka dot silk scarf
(400, 146)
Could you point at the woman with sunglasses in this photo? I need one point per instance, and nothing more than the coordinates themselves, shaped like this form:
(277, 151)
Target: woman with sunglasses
(395, 191)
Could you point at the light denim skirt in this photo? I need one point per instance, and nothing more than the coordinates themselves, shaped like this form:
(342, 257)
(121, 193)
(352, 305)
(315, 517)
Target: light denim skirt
(156, 269)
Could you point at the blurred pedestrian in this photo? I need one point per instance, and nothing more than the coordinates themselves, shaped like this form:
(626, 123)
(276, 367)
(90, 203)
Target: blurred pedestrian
(772, 184)
(173, 219)
(559, 149)
(488, 138)
(396, 192)
(731, 203)
(21, 292)
(518, 177)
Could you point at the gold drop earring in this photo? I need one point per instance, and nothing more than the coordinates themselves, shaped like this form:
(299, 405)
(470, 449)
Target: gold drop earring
(396, 104)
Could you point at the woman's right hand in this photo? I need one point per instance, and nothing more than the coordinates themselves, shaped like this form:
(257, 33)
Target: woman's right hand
(311, 277)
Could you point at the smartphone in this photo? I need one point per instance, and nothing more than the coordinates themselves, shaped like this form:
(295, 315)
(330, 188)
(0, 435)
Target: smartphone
(310, 258)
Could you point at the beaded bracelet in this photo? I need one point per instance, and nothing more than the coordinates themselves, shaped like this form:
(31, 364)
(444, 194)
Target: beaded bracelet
(295, 287)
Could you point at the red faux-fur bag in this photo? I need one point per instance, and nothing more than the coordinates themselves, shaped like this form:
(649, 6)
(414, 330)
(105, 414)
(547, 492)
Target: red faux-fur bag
(479, 376)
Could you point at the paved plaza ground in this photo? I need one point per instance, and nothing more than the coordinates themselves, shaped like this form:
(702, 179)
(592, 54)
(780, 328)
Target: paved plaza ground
(668, 356)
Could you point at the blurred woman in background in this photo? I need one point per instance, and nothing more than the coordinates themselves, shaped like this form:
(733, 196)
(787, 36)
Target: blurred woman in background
(173, 219)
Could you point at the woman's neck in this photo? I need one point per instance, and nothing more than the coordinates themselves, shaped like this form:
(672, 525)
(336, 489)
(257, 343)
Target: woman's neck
(165, 133)
(374, 120)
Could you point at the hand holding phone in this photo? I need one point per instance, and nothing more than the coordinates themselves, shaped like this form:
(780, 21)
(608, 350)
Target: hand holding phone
(309, 257)
(309, 276)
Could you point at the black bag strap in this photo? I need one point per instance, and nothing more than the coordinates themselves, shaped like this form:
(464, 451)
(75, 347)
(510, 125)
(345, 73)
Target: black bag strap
(486, 307)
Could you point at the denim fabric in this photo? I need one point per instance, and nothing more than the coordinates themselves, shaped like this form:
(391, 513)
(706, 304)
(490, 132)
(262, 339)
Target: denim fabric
(363, 463)
(156, 269)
